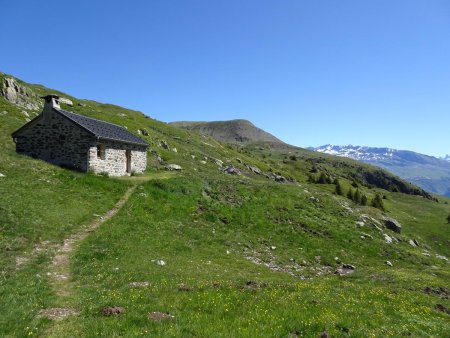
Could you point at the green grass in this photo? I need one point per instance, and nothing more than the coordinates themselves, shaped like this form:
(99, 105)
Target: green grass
(208, 227)
(375, 301)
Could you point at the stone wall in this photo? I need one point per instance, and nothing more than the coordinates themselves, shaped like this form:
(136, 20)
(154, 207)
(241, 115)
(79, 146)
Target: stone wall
(55, 139)
(114, 161)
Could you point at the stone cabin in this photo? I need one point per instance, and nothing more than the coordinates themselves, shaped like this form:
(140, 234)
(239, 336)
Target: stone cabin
(81, 143)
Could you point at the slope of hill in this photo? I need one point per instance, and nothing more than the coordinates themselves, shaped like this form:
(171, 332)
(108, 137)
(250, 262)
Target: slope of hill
(200, 252)
(233, 131)
(430, 173)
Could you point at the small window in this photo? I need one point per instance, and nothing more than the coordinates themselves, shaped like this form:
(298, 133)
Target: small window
(101, 151)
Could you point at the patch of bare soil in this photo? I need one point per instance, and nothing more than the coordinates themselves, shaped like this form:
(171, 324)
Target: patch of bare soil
(160, 316)
(58, 313)
(112, 311)
(441, 292)
(442, 308)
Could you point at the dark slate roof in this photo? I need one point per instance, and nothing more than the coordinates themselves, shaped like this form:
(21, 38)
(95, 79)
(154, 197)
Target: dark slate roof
(102, 129)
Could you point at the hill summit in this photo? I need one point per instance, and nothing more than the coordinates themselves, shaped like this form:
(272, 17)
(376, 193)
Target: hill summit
(232, 131)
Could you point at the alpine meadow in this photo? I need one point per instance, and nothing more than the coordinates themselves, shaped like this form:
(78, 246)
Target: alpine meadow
(243, 237)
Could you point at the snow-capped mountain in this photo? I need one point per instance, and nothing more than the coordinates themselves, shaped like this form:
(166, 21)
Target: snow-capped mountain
(428, 172)
(358, 152)
(446, 158)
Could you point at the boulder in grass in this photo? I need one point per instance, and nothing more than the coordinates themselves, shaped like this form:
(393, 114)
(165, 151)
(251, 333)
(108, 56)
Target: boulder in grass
(232, 171)
(392, 224)
(172, 167)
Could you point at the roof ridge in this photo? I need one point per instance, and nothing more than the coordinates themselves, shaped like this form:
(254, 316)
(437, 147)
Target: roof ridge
(102, 129)
(90, 118)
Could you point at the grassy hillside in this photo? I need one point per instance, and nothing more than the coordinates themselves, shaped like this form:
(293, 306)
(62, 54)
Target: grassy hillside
(226, 255)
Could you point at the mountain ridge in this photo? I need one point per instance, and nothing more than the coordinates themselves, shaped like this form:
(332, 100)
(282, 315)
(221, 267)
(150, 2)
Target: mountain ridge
(239, 131)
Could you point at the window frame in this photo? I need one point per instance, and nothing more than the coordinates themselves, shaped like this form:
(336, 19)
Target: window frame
(101, 151)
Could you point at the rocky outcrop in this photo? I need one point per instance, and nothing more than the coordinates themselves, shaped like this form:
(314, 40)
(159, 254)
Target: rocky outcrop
(19, 95)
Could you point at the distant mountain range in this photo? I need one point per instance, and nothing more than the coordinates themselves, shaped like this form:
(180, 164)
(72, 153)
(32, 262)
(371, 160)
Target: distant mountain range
(430, 173)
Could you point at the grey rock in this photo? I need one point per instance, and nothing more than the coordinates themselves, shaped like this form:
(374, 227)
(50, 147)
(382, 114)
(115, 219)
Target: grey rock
(278, 178)
(19, 95)
(387, 238)
(66, 101)
(255, 169)
(138, 284)
(175, 150)
(413, 243)
(1, 175)
(171, 167)
(313, 199)
(218, 162)
(388, 263)
(392, 224)
(232, 171)
(164, 144)
(160, 262)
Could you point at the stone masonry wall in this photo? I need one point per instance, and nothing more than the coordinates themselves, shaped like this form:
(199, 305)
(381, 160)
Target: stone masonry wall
(115, 160)
(55, 139)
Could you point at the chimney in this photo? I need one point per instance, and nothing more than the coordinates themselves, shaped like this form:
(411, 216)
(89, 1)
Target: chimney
(51, 101)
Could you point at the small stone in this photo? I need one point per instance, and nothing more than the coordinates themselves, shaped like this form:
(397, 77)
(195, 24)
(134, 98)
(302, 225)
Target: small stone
(273, 247)
(175, 150)
(324, 334)
(413, 243)
(139, 284)
(387, 238)
(203, 162)
(232, 171)
(426, 254)
(172, 167)
(1, 175)
(313, 199)
(164, 144)
(441, 257)
(388, 263)
(348, 266)
(160, 262)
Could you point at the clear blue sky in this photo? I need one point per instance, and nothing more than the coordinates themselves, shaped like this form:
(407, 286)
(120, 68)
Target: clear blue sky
(311, 72)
